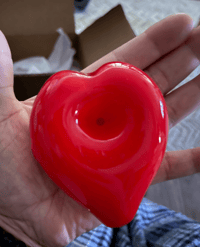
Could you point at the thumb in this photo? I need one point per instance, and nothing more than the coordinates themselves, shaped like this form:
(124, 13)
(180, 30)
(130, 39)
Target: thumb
(6, 69)
(8, 100)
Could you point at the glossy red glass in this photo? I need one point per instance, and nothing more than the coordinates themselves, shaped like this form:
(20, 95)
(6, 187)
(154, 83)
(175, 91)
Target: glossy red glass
(101, 137)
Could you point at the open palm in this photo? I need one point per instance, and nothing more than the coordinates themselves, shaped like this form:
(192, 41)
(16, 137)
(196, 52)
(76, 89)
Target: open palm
(32, 207)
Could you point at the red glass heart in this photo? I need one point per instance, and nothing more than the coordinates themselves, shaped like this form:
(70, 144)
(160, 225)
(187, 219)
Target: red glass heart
(101, 137)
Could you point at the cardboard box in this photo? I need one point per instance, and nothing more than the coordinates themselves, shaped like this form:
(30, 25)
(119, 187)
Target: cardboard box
(30, 28)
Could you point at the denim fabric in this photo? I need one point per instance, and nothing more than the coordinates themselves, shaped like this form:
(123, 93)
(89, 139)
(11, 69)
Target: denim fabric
(153, 226)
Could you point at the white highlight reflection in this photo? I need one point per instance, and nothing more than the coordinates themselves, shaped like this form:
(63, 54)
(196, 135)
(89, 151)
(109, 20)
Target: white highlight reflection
(162, 109)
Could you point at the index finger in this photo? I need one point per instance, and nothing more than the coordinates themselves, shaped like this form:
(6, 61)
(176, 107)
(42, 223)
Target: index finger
(178, 164)
(151, 45)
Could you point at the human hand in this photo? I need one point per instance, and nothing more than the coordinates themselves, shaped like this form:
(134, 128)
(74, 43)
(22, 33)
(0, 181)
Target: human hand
(32, 207)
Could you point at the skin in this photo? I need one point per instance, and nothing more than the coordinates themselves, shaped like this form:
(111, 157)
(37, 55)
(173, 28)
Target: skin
(32, 207)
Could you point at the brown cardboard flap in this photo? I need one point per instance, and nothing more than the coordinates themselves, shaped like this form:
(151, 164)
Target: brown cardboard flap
(28, 17)
(104, 35)
(24, 46)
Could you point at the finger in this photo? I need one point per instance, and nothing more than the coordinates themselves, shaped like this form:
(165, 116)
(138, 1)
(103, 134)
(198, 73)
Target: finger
(176, 66)
(151, 45)
(8, 102)
(177, 164)
(183, 101)
(6, 68)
